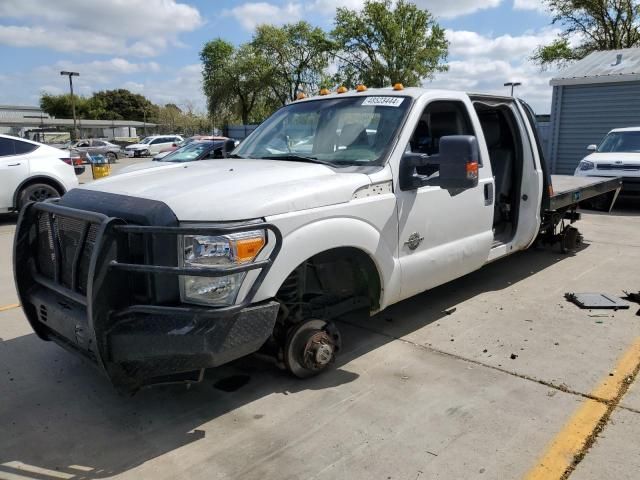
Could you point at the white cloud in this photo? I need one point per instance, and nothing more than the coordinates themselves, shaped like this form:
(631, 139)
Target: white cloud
(483, 64)
(504, 46)
(135, 27)
(250, 15)
(529, 5)
(455, 8)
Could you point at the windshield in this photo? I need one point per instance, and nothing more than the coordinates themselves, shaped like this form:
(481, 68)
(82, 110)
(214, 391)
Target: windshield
(191, 151)
(620, 142)
(338, 131)
(146, 140)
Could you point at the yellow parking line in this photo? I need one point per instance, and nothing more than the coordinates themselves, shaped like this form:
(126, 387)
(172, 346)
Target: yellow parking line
(9, 307)
(584, 422)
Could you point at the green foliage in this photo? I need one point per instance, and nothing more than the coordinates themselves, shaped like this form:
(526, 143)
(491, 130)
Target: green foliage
(589, 25)
(106, 105)
(236, 81)
(122, 104)
(60, 106)
(297, 53)
(387, 43)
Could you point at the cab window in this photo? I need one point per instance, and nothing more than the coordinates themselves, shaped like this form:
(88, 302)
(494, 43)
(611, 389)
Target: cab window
(439, 119)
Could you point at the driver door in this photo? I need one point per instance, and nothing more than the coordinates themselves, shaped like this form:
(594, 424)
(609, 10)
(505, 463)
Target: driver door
(444, 234)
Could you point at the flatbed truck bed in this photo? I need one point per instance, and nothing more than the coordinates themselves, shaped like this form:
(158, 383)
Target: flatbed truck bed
(568, 190)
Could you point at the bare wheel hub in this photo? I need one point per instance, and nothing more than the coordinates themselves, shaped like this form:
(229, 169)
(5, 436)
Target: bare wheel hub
(318, 351)
(311, 347)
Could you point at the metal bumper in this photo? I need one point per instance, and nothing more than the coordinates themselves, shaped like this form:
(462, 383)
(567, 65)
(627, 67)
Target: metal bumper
(84, 302)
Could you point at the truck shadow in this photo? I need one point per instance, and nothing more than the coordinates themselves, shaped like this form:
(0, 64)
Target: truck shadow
(59, 418)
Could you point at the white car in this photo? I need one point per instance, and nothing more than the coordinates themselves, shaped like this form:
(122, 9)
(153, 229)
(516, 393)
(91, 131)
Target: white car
(618, 155)
(152, 145)
(32, 171)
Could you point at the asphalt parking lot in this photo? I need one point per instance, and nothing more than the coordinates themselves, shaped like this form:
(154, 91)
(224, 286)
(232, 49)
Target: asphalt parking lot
(511, 384)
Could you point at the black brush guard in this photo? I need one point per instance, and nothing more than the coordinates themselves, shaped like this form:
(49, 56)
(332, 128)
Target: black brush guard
(81, 286)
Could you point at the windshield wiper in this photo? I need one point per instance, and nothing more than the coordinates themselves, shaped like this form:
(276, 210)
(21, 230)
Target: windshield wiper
(294, 157)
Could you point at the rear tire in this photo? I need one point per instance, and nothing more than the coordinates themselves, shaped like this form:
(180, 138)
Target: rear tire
(111, 157)
(36, 192)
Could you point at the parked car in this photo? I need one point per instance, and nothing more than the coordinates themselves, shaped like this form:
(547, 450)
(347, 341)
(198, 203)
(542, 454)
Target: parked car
(151, 145)
(200, 263)
(32, 171)
(618, 155)
(92, 146)
(191, 152)
(174, 146)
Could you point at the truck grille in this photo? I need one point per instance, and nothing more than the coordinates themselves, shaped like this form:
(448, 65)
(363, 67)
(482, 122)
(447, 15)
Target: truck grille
(65, 246)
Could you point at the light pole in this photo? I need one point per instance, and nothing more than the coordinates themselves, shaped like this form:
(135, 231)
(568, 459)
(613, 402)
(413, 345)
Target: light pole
(73, 102)
(144, 113)
(512, 85)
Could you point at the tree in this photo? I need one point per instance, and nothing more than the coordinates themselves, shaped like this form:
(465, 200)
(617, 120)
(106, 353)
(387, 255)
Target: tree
(107, 105)
(388, 42)
(297, 53)
(238, 77)
(121, 104)
(589, 25)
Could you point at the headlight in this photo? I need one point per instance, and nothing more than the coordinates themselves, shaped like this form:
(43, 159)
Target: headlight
(586, 165)
(200, 251)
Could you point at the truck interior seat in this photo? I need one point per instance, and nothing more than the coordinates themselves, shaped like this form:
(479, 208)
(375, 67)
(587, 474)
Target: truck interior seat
(353, 135)
(502, 159)
(443, 124)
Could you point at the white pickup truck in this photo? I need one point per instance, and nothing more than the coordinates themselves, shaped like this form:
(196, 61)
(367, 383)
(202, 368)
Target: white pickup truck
(338, 202)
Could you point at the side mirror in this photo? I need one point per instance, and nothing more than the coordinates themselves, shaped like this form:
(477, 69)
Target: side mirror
(456, 166)
(592, 148)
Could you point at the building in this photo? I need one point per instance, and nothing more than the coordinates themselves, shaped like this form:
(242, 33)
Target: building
(592, 96)
(33, 123)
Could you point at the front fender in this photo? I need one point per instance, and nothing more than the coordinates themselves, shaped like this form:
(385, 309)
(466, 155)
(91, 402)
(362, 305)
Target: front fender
(322, 235)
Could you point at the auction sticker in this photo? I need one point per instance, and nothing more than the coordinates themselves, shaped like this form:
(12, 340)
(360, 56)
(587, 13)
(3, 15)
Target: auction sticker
(382, 101)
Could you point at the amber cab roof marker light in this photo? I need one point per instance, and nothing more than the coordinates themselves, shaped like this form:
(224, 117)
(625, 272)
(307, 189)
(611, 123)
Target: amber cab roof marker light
(398, 86)
(361, 88)
(324, 91)
(342, 89)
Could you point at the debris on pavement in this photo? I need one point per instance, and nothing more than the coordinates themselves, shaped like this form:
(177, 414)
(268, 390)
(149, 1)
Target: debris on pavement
(596, 301)
(632, 297)
(449, 311)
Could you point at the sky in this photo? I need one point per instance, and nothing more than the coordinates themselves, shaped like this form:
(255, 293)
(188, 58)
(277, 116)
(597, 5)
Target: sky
(152, 46)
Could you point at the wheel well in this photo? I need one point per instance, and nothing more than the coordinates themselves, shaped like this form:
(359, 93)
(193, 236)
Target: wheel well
(33, 180)
(329, 279)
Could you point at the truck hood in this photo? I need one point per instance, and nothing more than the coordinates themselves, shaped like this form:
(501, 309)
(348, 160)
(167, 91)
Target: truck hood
(136, 167)
(236, 189)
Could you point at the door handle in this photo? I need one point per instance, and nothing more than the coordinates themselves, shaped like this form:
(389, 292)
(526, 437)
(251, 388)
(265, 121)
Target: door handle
(14, 164)
(488, 194)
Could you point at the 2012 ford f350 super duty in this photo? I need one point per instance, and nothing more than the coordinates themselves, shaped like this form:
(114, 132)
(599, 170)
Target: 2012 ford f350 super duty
(337, 202)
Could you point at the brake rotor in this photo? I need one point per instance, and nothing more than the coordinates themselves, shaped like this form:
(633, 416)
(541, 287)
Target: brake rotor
(311, 348)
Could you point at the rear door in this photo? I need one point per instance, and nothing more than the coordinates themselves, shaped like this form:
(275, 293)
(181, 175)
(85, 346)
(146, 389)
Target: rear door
(14, 169)
(158, 144)
(444, 234)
